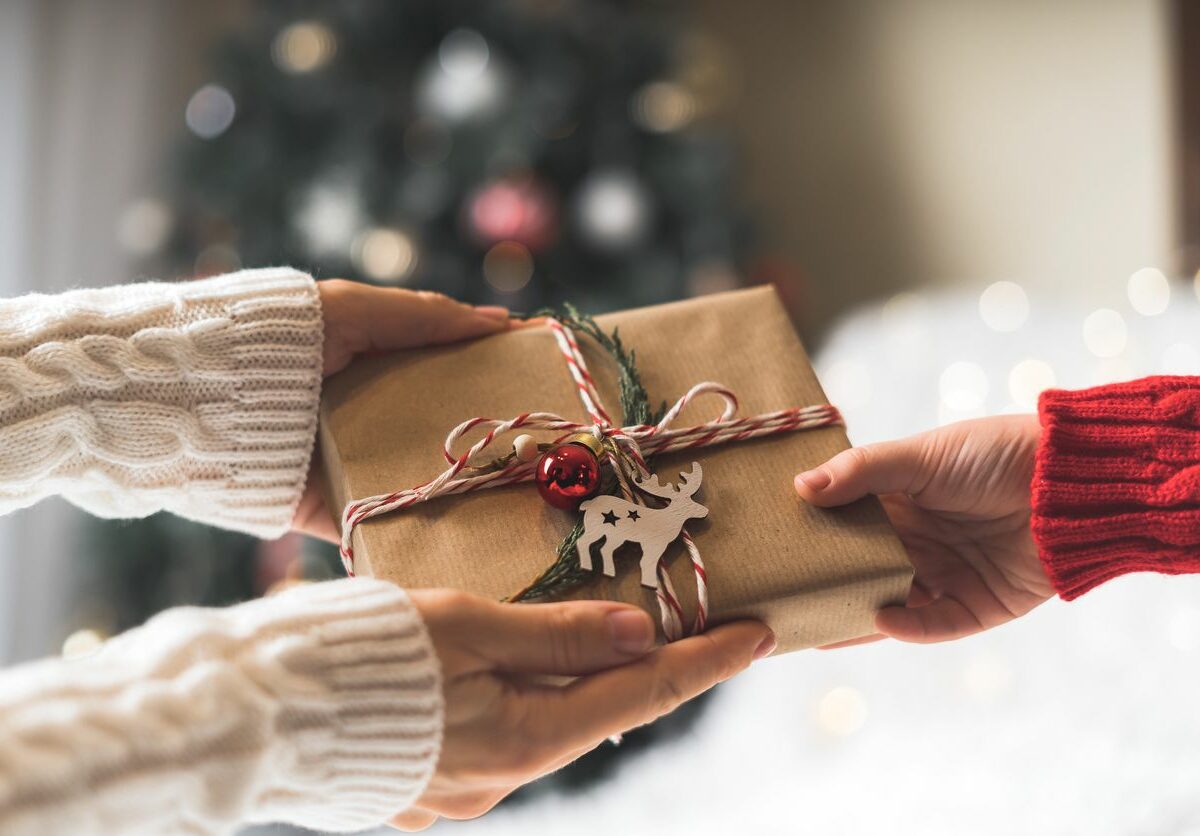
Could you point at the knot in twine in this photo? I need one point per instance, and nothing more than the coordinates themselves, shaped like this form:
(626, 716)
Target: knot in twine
(626, 448)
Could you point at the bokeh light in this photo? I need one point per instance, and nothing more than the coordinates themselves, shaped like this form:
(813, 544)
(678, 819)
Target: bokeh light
(842, 711)
(663, 107)
(217, 259)
(513, 210)
(1004, 306)
(1028, 379)
(384, 254)
(963, 386)
(1104, 333)
(143, 226)
(613, 209)
(464, 54)
(1149, 291)
(464, 82)
(328, 217)
(508, 266)
(304, 46)
(210, 111)
(906, 329)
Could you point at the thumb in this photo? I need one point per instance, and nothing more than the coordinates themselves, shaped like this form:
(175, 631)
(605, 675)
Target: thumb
(890, 467)
(568, 638)
(614, 701)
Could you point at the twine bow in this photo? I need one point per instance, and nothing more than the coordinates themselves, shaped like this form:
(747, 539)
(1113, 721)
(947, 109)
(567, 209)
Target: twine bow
(622, 445)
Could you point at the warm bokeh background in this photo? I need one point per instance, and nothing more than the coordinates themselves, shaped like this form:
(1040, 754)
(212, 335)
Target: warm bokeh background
(962, 202)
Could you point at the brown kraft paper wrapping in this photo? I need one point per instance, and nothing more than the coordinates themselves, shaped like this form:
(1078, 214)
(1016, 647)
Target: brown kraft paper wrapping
(815, 576)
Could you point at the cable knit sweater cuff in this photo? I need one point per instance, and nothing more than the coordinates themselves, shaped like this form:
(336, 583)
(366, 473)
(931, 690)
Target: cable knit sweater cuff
(361, 709)
(198, 398)
(1116, 487)
(319, 706)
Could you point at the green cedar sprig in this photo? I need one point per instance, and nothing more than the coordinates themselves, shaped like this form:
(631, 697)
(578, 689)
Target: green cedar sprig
(565, 572)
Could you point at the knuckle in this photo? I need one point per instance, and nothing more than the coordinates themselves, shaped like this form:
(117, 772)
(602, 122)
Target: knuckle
(564, 638)
(727, 662)
(666, 694)
(857, 458)
(442, 606)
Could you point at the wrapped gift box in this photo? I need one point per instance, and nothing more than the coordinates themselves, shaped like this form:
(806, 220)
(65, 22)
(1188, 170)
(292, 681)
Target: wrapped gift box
(815, 576)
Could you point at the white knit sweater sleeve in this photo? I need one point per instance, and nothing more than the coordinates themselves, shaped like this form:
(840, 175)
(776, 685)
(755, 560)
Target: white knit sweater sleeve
(320, 706)
(198, 398)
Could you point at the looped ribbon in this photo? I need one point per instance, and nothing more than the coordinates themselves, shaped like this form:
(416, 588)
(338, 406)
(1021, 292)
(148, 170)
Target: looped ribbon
(637, 442)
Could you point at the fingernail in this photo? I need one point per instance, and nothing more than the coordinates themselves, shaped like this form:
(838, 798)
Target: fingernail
(631, 631)
(817, 480)
(766, 647)
(492, 311)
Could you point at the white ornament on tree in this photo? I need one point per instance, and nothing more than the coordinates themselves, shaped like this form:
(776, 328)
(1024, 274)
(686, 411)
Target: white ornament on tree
(613, 522)
(329, 216)
(613, 210)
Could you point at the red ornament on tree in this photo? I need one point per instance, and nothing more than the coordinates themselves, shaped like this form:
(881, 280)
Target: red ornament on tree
(513, 209)
(570, 472)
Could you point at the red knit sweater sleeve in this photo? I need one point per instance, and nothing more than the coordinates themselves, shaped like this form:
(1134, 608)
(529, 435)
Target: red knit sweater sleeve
(1116, 487)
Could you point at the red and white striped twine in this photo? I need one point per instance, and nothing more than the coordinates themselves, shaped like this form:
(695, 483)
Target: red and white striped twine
(638, 442)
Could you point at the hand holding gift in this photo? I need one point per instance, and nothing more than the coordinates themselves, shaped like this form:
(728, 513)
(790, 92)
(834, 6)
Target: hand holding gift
(360, 319)
(960, 500)
(503, 730)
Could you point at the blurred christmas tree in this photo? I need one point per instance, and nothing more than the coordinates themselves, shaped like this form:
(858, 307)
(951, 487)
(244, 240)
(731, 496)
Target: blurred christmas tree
(524, 153)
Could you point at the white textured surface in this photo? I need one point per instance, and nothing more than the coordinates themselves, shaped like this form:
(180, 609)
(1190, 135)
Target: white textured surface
(1077, 719)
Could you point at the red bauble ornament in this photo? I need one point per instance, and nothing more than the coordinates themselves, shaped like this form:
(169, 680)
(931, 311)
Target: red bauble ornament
(567, 474)
(514, 209)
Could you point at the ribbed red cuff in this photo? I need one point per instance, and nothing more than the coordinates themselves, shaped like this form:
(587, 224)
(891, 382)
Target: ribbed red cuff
(1116, 487)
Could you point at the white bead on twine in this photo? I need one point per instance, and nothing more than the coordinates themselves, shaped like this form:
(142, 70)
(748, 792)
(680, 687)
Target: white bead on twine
(525, 447)
(636, 441)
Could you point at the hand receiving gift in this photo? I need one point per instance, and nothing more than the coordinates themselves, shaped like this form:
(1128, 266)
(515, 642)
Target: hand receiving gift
(502, 731)
(959, 498)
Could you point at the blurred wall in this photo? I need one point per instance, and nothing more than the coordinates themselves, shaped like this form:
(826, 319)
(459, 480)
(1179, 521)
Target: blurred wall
(891, 143)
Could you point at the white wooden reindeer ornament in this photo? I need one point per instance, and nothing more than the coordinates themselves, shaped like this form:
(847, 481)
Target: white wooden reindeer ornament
(613, 522)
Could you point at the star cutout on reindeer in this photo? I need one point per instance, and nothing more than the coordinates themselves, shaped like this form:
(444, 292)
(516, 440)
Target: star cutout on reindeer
(651, 528)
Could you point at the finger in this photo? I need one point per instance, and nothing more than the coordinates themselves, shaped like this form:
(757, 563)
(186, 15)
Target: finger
(395, 318)
(388, 318)
(570, 638)
(874, 637)
(891, 467)
(412, 820)
(942, 620)
(599, 706)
